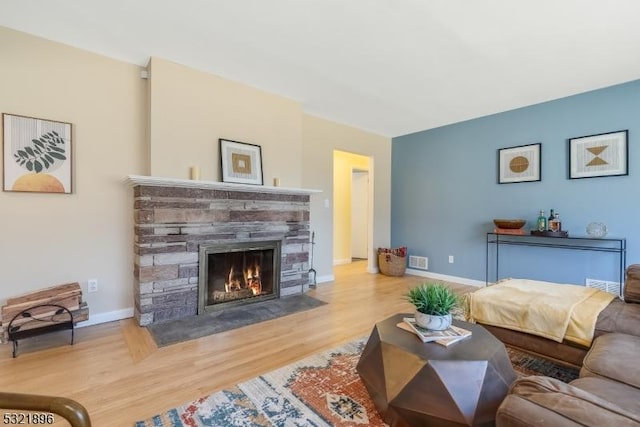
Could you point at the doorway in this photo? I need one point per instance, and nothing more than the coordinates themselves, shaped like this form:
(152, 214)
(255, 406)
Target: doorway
(352, 208)
(359, 214)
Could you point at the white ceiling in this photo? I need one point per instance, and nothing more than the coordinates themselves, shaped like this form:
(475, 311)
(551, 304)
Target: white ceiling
(389, 66)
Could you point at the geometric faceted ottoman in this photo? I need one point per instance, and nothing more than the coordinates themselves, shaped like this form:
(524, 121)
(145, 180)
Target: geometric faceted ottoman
(426, 384)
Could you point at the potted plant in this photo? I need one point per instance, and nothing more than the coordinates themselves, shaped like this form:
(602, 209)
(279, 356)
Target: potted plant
(433, 302)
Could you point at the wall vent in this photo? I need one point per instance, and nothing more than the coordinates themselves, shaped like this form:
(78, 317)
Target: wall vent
(603, 285)
(420, 262)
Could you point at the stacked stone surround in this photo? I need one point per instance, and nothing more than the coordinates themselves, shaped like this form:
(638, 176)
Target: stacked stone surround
(174, 217)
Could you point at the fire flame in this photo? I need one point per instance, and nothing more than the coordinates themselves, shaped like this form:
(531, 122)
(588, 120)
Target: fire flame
(251, 280)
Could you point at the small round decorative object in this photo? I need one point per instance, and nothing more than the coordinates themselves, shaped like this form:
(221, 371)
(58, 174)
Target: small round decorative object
(596, 229)
(513, 224)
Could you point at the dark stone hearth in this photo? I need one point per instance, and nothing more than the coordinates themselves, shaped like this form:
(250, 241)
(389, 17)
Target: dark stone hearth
(172, 222)
(188, 328)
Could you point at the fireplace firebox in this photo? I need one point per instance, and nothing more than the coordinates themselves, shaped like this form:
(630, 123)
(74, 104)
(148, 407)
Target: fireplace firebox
(238, 273)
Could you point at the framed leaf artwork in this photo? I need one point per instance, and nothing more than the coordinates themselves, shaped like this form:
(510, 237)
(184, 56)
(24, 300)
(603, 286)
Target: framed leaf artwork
(36, 155)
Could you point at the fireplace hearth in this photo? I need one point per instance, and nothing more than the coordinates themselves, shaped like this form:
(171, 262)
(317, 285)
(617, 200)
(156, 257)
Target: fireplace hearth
(238, 273)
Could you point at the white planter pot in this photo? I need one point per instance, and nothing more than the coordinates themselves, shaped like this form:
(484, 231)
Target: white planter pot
(435, 323)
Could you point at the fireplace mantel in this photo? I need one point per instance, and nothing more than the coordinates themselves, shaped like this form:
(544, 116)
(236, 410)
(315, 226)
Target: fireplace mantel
(153, 181)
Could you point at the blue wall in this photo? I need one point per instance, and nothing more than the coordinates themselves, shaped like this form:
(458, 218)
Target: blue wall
(445, 192)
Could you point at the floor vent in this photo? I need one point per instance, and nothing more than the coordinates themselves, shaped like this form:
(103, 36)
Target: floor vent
(420, 262)
(603, 285)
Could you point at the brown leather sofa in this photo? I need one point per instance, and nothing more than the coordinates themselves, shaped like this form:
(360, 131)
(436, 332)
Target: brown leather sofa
(607, 393)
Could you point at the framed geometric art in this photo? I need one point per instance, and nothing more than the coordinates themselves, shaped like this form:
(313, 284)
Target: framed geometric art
(604, 154)
(241, 162)
(519, 164)
(36, 155)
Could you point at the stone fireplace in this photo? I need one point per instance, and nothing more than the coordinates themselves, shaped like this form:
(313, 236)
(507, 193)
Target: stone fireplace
(176, 220)
(238, 273)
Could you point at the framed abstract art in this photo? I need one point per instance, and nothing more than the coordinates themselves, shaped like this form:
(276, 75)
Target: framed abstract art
(241, 162)
(604, 154)
(519, 164)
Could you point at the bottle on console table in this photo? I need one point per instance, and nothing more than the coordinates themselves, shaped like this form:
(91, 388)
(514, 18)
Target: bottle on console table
(552, 225)
(541, 224)
(550, 220)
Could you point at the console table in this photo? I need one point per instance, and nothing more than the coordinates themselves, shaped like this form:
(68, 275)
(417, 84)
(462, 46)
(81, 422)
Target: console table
(618, 246)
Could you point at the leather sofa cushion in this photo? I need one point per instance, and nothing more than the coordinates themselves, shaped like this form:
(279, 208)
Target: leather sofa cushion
(568, 405)
(516, 411)
(623, 395)
(632, 284)
(609, 358)
(618, 316)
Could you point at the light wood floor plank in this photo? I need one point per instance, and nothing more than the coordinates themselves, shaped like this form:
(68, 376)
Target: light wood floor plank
(116, 371)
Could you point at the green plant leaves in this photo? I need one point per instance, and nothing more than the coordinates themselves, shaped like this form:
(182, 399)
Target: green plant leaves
(57, 155)
(42, 154)
(432, 298)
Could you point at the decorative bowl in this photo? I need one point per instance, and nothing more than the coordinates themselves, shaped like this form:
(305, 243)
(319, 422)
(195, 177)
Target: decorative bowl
(513, 224)
(596, 229)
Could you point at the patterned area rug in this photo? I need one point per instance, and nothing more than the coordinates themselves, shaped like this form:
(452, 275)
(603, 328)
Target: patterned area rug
(319, 391)
(527, 364)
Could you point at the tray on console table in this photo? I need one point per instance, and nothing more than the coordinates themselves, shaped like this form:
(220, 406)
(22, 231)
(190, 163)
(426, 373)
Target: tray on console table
(550, 233)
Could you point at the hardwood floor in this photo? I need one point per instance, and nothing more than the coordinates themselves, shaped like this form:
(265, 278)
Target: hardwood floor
(120, 376)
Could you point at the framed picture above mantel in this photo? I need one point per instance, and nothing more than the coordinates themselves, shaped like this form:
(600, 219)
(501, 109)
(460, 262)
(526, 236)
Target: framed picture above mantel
(241, 163)
(519, 164)
(604, 154)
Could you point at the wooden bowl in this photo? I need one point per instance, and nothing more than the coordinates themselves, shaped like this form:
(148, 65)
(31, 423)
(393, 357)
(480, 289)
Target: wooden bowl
(513, 224)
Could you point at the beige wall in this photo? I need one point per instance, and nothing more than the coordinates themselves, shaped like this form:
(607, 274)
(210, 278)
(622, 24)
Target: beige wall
(50, 239)
(320, 138)
(191, 109)
(124, 125)
(343, 165)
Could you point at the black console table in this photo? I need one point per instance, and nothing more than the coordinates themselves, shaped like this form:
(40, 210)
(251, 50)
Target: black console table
(618, 246)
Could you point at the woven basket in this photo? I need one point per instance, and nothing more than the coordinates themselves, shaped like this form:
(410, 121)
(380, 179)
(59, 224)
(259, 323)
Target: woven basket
(392, 265)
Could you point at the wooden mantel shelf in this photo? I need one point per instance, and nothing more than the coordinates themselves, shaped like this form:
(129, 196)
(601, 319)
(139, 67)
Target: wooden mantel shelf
(137, 180)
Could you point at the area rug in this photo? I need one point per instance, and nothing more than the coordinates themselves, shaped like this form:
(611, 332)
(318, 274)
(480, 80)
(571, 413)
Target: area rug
(188, 328)
(527, 364)
(320, 391)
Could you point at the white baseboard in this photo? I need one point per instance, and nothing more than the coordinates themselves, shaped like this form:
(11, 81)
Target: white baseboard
(342, 261)
(446, 278)
(325, 279)
(110, 316)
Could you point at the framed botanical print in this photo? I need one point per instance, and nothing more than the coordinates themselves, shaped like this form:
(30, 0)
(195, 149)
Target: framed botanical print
(36, 155)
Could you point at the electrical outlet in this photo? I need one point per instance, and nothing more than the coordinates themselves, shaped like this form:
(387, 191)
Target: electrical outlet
(450, 259)
(92, 285)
